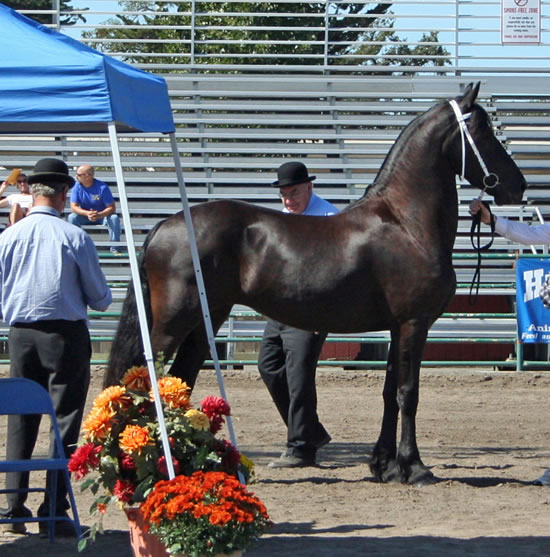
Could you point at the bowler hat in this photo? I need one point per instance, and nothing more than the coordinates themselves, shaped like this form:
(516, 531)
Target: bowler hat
(292, 173)
(50, 172)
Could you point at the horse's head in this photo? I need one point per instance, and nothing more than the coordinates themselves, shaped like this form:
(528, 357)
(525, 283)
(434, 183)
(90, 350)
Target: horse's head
(482, 158)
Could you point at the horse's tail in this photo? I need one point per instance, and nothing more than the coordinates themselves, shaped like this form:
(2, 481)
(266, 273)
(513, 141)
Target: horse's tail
(127, 347)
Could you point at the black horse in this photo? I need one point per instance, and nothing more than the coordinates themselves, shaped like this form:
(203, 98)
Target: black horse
(384, 263)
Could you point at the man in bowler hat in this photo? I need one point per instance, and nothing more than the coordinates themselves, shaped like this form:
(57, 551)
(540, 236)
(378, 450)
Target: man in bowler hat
(288, 357)
(49, 275)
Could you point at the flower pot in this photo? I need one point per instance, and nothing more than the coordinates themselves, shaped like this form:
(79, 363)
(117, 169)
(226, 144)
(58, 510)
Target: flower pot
(143, 544)
(237, 553)
(148, 545)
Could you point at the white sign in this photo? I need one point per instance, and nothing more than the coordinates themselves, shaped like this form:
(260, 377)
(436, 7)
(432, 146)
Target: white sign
(520, 22)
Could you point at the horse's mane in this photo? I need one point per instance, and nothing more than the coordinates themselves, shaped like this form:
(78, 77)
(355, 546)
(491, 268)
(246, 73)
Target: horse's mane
(375, 188)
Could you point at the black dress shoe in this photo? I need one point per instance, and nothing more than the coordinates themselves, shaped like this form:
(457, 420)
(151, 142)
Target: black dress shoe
(63, 529)
(14, 528)
(292, 461)
(324, 441)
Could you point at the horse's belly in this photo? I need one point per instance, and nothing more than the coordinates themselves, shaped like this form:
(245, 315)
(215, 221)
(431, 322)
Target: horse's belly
(341, 315)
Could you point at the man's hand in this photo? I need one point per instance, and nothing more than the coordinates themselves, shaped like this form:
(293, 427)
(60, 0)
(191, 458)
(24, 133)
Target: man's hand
(475, 206)
(92, 216)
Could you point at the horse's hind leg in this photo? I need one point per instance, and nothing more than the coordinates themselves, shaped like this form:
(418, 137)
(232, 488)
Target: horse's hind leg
(195, 349)
(401, 394)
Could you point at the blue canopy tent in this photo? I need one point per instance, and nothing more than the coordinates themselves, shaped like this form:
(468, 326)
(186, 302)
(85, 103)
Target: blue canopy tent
(54, 84)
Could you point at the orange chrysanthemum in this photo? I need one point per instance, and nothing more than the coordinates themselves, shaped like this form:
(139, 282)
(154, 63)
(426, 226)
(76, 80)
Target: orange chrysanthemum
(99, 423)
(112, 398)
(137, 379)
(220, 518)
(134, 438)
(173, 392)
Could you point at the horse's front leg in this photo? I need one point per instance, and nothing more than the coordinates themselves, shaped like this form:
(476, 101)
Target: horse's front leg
(413, 336)
(407, 467)
(382, 461)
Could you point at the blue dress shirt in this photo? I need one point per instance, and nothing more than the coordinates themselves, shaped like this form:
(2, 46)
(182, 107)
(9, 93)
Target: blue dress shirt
(318, 206)
(49, 269)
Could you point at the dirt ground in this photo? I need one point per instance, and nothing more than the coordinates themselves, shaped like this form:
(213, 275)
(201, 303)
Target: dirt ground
(485, 434)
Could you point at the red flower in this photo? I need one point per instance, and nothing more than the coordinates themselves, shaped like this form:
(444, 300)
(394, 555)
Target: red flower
(215, 406)
(163, 468)
(230, 455)
(216, 423)
(127, 462)
(123, 490)
(83, 459)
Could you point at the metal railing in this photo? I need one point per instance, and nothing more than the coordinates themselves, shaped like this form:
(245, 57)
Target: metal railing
(433, 36)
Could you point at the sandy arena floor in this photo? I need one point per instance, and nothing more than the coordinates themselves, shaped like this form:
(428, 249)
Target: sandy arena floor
(485, 434)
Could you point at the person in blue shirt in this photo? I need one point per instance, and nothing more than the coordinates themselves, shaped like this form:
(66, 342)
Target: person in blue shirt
(92, 202)
(49, 275)
(288, 357)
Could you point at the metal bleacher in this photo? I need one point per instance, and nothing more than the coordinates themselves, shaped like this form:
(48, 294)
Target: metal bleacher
(233, 133)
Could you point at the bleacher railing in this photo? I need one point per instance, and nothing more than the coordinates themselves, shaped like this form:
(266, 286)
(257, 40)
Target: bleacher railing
(434, 36)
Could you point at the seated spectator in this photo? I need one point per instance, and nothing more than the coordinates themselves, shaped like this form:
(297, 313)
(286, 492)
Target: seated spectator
(19, 203)
(93, 203)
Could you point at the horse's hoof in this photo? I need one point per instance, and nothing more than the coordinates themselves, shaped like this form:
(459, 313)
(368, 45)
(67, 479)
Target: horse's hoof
(392, 474)
(385, 472)
(429, 480)
(421, 477)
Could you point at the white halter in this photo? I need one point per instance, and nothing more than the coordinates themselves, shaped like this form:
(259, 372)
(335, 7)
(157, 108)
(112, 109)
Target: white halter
(464, 131)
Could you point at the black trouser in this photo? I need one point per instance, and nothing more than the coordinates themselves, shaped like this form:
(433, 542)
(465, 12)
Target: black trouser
(287, 363)
(56, 354)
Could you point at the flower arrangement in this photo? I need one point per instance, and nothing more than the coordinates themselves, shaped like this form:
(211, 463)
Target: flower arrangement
(207, 513)
(122, 441)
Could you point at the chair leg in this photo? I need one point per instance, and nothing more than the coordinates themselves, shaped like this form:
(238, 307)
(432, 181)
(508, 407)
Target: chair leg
(76, 520)
(53, 505)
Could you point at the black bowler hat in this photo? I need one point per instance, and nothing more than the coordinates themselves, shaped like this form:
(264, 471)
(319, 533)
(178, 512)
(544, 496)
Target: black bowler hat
(292, 173)
(50, 172)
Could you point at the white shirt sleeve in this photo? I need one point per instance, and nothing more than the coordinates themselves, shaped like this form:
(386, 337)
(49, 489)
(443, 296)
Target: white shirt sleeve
(522, 233)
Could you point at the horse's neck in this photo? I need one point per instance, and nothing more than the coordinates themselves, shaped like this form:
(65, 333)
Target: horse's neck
(419, 188)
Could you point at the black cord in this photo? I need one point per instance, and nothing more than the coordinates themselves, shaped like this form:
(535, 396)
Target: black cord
(475, 231)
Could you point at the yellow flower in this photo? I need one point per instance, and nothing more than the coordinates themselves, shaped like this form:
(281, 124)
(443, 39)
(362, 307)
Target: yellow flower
(173, 392)
(198, 420)
(245, 461)
(112, 397)
(134, 438)
(99, 423)
(137, 379)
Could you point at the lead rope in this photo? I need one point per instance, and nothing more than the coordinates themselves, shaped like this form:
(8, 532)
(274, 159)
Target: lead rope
(475, 230)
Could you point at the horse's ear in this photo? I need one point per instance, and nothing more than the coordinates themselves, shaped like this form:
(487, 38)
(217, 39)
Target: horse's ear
(470, 95)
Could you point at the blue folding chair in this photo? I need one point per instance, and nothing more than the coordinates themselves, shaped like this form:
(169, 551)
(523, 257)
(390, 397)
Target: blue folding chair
(23, 396)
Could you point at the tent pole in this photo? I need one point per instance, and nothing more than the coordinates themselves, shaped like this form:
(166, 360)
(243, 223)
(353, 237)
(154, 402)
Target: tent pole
(200, 280)
(139, 297)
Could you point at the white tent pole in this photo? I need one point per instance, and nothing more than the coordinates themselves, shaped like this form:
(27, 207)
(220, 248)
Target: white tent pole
(139, 297)
(200, 280)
